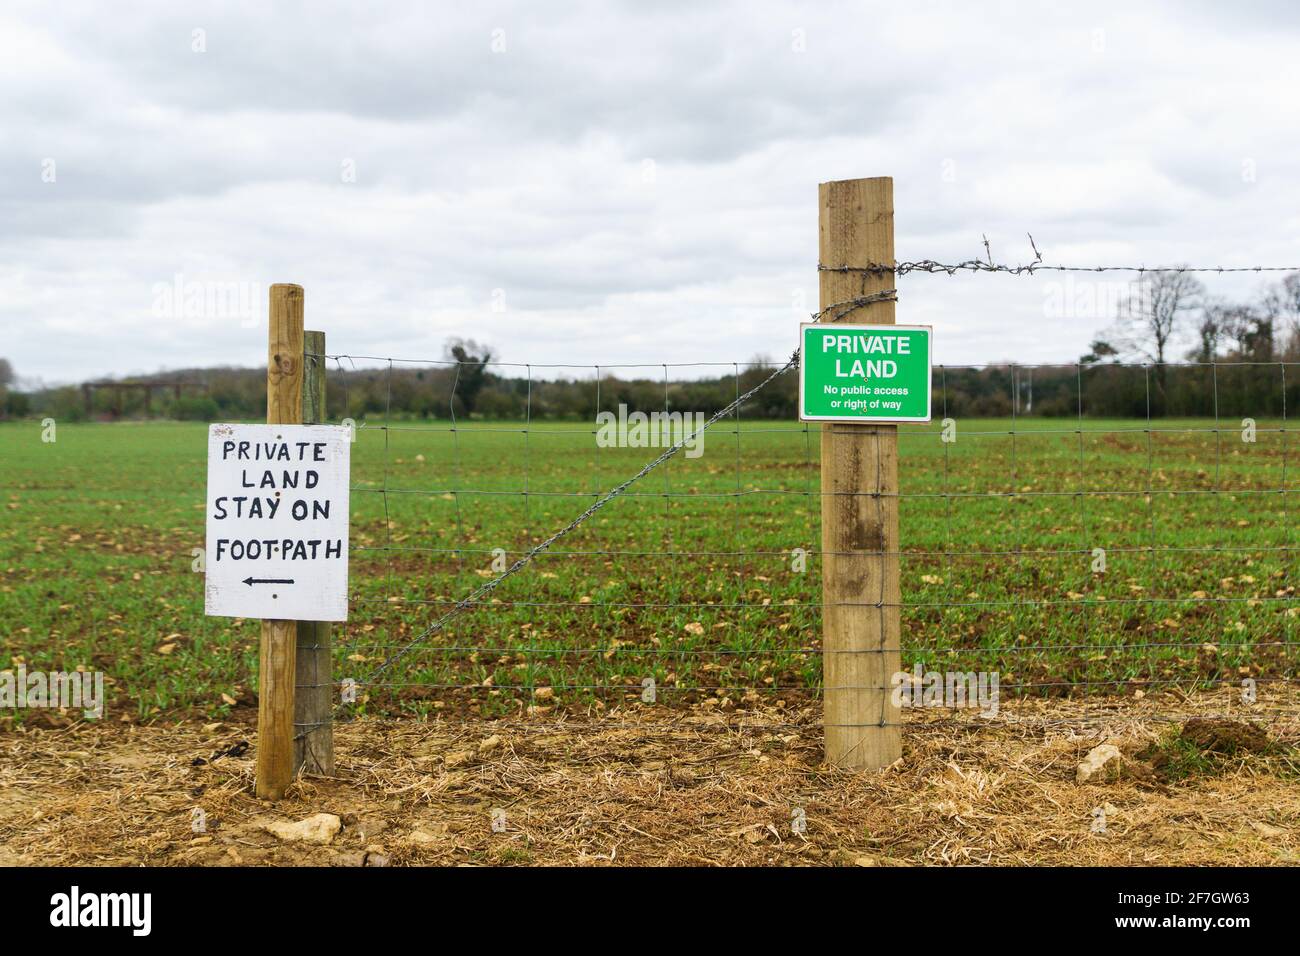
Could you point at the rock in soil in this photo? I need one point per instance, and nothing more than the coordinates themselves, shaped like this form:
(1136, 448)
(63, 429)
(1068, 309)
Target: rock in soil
(1103, 762)
(320, 829)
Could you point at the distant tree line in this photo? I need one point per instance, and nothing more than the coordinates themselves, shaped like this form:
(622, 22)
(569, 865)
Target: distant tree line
(13, 403)
(1238, 349)
(469, 385)
(1172, 350)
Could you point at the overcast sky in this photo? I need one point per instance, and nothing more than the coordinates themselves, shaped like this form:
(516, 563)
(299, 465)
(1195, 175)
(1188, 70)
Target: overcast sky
(614, 183)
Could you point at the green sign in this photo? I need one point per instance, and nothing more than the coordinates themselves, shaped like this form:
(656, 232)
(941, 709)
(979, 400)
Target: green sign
(864, 373)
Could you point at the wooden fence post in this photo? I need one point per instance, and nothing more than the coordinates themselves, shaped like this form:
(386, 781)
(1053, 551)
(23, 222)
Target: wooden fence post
(275, 682)
(859, 469)
(313, 742)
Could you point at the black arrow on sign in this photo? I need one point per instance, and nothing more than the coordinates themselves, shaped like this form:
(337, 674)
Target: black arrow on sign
(250, 581)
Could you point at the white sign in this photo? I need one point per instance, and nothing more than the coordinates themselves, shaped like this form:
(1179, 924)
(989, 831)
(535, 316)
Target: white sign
(277, 541)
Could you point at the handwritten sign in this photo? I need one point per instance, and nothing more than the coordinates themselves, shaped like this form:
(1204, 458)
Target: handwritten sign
(277, 522)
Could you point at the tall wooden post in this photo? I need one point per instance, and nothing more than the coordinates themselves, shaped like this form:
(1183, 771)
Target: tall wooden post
(276, 673)
(313, 742)
(859, 468)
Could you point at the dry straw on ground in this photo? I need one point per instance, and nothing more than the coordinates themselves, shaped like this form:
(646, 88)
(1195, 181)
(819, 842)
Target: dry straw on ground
(703, 788)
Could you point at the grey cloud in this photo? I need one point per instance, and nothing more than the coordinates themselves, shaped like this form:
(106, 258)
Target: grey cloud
(526, 171)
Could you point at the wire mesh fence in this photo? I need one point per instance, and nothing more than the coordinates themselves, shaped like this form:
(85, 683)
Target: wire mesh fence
(534, 568)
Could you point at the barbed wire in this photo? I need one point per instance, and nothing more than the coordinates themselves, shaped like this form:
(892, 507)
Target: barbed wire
(987, 264)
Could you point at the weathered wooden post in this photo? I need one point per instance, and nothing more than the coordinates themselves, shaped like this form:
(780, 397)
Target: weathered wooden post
(859, 484)
(284, 379)
(313, 743)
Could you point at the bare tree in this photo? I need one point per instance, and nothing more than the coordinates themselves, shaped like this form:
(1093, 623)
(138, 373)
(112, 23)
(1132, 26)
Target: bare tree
(471, 373)
(6, 374)
(1281, 303)
(1256, 332)
(1209, 333)
(1098, 351)
(1152, 318)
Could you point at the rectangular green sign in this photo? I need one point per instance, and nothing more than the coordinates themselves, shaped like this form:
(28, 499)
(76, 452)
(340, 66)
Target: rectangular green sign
(864, 373)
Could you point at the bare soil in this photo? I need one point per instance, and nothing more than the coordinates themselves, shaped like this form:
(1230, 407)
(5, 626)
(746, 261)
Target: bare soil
(700, 787)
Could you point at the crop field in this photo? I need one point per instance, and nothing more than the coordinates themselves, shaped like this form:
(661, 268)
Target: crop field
(692, 578)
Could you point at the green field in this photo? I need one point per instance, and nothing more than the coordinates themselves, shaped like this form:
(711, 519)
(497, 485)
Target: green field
(688, 578)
